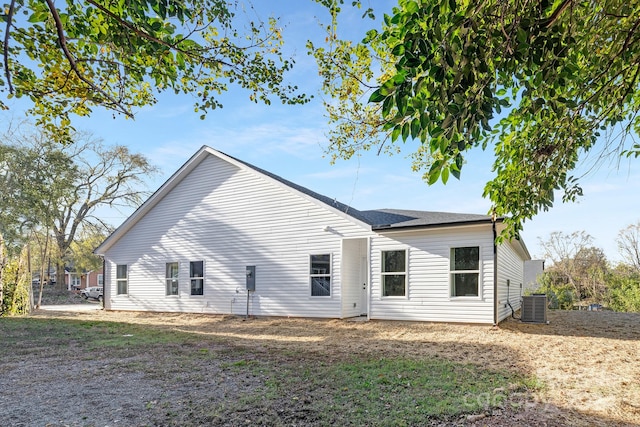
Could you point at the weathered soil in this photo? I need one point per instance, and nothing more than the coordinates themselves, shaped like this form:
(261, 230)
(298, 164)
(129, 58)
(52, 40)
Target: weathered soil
(588, 365)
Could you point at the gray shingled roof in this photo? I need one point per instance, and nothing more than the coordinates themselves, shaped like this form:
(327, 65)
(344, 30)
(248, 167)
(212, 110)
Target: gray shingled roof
(382, 219)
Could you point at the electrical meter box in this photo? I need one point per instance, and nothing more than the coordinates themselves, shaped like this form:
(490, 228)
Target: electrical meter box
(251, 278)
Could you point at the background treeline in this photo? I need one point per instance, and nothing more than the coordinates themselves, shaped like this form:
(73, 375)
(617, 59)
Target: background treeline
(578, 274)
(54, 198)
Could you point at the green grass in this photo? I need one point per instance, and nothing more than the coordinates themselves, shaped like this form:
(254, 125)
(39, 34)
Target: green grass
(273, 386)
(391, 391)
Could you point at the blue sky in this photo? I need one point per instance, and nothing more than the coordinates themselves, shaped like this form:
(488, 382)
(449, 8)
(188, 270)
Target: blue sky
(290, 141)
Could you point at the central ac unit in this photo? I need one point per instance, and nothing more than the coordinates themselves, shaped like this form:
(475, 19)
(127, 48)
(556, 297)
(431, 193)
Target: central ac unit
(534, 309)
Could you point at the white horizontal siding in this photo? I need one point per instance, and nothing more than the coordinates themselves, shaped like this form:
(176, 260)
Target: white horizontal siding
(428, 297)
(230, 218)
(511, 272)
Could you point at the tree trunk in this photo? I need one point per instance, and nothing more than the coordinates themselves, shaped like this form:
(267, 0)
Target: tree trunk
(3, 263)
(60, 276)
(42, 276)
(63, 248)
(24, 277)
(32, 303)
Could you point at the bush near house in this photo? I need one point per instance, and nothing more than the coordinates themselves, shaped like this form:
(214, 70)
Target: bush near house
(15, 296)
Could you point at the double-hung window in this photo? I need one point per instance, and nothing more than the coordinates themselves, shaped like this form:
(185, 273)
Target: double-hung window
(394, 273)
(196, 275)
(172, 278)
(465, 271)
(121, 279)
(320, 275)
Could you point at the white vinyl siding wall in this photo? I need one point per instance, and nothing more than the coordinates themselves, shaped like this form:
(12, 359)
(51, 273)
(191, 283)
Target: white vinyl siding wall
(230, 218)
(429, 287)
(510, 267)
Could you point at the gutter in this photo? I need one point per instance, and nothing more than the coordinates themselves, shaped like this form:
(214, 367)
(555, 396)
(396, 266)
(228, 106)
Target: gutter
(104, 281)
(393, 227)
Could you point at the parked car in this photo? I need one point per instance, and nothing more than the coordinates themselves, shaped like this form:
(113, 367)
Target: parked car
(595, 307)
(36, 282)
(93, 292)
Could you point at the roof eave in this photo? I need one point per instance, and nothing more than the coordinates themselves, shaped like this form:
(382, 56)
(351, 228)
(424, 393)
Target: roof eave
(431, 226)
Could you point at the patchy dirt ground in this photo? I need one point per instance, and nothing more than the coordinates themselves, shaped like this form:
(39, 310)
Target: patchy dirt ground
(587, 362)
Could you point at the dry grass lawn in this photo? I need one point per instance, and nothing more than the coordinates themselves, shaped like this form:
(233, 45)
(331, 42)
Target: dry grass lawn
(588, 363)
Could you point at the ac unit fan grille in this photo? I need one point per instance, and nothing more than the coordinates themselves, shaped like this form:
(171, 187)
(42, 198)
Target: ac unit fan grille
(534, 309)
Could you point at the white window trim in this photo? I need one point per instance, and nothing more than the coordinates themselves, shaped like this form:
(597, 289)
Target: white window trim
(406, 274)
(166, 279)
(479, 271)
(311, 276)
(118, 295)
(204, 275)
(100, 279)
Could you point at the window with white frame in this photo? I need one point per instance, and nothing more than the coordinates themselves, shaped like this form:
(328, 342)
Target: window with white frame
(122, 281)
(394, 273)
(100, 279)
(320, 275)
(465, 271)
(196, 275)
(171, 278)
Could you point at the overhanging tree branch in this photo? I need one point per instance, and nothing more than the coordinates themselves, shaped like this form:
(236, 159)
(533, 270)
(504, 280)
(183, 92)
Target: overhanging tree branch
(7, 37)
(72, 62)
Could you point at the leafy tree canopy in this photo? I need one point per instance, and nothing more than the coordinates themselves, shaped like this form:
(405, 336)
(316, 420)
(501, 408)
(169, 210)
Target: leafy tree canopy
(70, 56)
(538, 81)
(57, 189)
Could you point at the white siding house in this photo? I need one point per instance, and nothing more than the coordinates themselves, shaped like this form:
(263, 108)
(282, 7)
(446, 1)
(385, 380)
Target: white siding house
(188, 249)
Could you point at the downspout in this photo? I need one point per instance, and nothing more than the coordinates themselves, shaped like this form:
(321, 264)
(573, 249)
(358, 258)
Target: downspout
(368, 278)
(104, 282)
(495, 270)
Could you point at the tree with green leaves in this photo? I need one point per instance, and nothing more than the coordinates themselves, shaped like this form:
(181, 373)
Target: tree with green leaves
(37, 174)
(68, 57)
(624, 289)
(575, 264)
(107, 176)
(56, 189)
(81, 251)
(538, 82)
(16, 283)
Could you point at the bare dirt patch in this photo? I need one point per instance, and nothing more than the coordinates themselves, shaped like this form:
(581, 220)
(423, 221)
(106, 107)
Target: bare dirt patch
(588, 363)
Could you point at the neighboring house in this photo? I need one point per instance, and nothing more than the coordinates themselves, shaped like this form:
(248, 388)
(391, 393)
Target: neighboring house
(75, 280)
(533, 269)
(190, 246)
(93, 278)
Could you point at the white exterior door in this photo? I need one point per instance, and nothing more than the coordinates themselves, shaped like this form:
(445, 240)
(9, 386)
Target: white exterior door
(353, 277)
(364, 292)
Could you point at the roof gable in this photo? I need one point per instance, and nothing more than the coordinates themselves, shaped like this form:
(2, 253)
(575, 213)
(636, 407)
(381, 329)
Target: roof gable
(375, 220)
(333, 203)
(326, 202)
